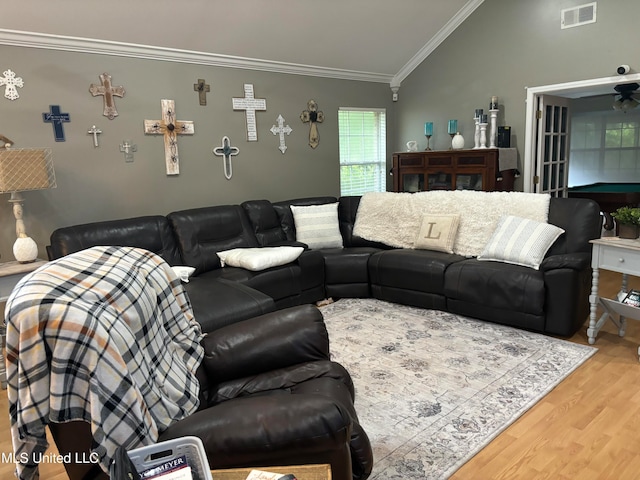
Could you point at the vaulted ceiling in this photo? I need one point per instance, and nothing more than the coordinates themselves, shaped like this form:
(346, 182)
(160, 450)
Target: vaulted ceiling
(380, 37)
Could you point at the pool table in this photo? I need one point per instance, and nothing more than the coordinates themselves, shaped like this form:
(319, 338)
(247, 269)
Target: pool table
(610, 197)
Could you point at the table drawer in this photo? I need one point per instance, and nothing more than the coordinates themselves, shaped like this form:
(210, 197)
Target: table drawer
(619, 260)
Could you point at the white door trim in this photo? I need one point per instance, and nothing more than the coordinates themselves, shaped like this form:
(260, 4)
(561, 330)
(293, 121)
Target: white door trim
(581, 88)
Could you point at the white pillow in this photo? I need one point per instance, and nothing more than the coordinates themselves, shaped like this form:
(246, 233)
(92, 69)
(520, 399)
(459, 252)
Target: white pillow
(317, 225)
(438, 232)
(520, 241)
(261, 258)
(183, 272)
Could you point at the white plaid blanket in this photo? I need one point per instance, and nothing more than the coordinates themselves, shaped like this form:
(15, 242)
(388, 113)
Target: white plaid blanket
(105, 335)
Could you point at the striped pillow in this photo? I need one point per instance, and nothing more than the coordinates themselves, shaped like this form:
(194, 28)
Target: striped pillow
(520, 241)
(317, 225)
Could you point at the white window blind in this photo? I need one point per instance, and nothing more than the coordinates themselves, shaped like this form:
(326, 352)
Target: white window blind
(604, 147)
(363, 152)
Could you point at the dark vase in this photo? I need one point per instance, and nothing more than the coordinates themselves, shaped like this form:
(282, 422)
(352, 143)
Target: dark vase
(628, 231)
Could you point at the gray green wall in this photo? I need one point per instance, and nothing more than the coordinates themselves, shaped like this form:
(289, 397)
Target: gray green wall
(503, 47)
(96, 184)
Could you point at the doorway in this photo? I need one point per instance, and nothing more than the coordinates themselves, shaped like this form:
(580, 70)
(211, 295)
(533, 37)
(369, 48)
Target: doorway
(582, 88)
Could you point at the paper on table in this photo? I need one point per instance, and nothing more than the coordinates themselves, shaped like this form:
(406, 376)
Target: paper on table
(262, 475)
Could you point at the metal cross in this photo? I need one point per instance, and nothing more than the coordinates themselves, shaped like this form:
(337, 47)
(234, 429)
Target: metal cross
(226, 151)
(170, 128)
(202, 88)
(108, 92)
(56, 118)
(281, 130)
(250, 104)
(95, 132)
(312, 116)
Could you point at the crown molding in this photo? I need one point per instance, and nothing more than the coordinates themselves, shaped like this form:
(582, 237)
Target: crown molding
(19, 38)
(437, 39)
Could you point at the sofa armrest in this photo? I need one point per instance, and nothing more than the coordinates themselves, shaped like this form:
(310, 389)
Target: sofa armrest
(271, 341)
(573, 261)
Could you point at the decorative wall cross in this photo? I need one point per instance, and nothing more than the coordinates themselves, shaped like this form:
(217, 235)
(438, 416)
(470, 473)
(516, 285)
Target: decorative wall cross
(250, 104)
(170, 128)
(95, 132)
(56, 118)
(128, 148)
(226, 151)
(312, 116)
(108, 92)
(11, 82)
(202, 88)
(281, 130)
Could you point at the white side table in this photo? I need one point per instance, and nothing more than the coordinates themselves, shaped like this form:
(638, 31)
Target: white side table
(10, 274)
(617, 255)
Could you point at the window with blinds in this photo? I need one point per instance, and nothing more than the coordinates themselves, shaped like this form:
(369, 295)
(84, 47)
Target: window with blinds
(363, 152)
(605, 147)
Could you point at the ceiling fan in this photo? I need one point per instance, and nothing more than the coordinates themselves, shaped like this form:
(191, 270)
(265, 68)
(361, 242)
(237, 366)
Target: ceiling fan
(624, 99)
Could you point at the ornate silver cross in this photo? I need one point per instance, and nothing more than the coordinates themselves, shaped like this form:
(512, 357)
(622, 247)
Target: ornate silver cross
(281, 130)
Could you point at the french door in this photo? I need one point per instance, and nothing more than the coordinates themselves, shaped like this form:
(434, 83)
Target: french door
(552, 145)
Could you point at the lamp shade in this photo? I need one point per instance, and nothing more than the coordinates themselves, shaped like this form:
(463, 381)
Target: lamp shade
(23, 169)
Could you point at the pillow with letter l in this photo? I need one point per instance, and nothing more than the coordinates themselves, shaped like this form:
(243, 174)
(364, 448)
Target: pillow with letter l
(520, 241)
(438, 232)
(317, 225)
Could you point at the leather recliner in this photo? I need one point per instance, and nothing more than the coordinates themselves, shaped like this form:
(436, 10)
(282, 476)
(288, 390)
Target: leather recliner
(268, 392)
(269, 396)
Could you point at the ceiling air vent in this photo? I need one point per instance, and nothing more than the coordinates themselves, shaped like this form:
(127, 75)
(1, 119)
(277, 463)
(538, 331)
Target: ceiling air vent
(578, 16)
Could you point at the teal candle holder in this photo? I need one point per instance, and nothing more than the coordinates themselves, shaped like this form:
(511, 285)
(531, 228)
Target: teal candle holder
(428, 132)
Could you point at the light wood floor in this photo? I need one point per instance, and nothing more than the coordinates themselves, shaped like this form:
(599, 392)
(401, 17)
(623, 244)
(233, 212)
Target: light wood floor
(586, 428)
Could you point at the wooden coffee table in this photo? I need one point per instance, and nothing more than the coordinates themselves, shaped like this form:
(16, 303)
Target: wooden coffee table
(302, 472)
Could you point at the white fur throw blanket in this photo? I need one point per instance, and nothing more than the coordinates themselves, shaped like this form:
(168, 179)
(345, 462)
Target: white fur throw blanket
(395, 218)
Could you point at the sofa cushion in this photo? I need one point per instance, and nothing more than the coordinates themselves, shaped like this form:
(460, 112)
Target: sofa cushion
(418, 270)
(520, 241)
(502, 286)
(202, 232)
(438, 232)
(217, 302)
(265, 222)
(256, 259)
(151, 232)
(317, 225)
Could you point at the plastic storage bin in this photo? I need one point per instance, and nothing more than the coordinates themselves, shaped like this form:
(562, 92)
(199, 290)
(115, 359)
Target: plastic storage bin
(192, 447)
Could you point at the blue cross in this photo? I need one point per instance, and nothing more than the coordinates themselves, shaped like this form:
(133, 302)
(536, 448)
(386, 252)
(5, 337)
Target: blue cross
(56, 119)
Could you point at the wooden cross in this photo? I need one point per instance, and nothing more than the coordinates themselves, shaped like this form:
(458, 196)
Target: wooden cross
(202, 88)
(226, 151)
(95, 131)
(170, 128)
(108, 92)
(281, 130)
(250, 104)
(56, 118)
(312, 116)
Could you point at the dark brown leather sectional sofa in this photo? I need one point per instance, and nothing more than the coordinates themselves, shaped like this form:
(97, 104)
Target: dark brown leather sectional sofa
(551, 300)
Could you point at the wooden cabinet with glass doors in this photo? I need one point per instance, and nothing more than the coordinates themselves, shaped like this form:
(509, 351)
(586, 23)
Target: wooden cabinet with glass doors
(475, 169)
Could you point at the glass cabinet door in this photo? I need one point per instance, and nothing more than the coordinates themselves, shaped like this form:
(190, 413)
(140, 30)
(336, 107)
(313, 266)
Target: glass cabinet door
(412, 182)
(439, 181)
(469, 181)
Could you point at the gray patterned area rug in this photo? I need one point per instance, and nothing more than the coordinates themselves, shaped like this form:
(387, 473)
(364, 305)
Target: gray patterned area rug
(433, 388)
